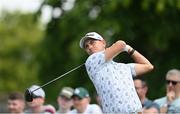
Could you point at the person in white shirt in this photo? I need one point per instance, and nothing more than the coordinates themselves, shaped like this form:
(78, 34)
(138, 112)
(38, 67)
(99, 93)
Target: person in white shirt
(81, 100)
(37, 105)
(64, 100)
(113, 81)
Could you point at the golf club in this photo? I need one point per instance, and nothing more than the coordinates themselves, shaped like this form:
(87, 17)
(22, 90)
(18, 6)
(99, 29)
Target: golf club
(29, 93)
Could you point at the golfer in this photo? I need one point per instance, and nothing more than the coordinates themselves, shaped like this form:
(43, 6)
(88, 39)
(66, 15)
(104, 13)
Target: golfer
(113, 81)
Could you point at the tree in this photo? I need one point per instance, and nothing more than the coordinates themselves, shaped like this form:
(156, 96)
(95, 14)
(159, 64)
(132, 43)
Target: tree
(20, 36)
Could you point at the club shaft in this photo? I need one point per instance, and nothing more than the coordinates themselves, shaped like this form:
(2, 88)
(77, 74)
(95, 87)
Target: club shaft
(59, 77)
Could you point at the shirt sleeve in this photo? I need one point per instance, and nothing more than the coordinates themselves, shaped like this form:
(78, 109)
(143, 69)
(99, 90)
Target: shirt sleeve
(132, 68)
(95, 62)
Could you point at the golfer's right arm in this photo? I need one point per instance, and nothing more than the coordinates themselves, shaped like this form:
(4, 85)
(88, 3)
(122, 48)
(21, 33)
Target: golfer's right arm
(142, 64)
(114, 50)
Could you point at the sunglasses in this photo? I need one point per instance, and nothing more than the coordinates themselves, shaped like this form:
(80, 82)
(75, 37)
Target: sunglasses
(171, 81)
(65, 98)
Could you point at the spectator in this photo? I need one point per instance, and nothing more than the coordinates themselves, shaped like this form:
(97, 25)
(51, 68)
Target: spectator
(173, 80)
(112, 80)
(37, 105)
(64, 100)
(82, 104)
(16, 103)
(142, 88)
(164, 102)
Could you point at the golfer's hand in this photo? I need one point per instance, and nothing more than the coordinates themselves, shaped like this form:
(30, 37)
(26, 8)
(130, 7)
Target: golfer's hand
(122, 45)
(114, 50)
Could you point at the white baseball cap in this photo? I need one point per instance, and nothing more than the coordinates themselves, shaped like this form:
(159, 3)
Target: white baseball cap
(92, 35)
(67, 92)
(39, 93)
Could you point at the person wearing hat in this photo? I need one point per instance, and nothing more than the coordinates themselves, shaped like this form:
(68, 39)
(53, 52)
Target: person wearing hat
(37, 105)
(113, 81)
(64, 100)
(81, 100)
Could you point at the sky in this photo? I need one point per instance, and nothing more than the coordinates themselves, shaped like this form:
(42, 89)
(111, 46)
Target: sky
(22, 5)
(26, 6)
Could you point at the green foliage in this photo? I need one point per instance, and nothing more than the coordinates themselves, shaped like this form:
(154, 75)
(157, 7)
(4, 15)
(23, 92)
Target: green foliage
(20, 35)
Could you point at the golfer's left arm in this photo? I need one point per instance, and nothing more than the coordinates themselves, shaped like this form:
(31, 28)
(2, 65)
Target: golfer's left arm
(142, 64)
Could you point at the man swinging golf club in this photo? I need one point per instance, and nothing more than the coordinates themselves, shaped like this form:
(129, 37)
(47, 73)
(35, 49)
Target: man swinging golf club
(113, 81)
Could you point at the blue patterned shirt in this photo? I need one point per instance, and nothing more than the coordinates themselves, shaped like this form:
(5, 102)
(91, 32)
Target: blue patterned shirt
(114, 84)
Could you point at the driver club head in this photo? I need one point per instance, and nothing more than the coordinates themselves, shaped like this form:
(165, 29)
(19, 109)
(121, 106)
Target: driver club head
(28, 95)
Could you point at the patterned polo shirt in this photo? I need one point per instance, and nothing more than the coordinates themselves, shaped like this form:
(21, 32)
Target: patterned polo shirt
(114, 84)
